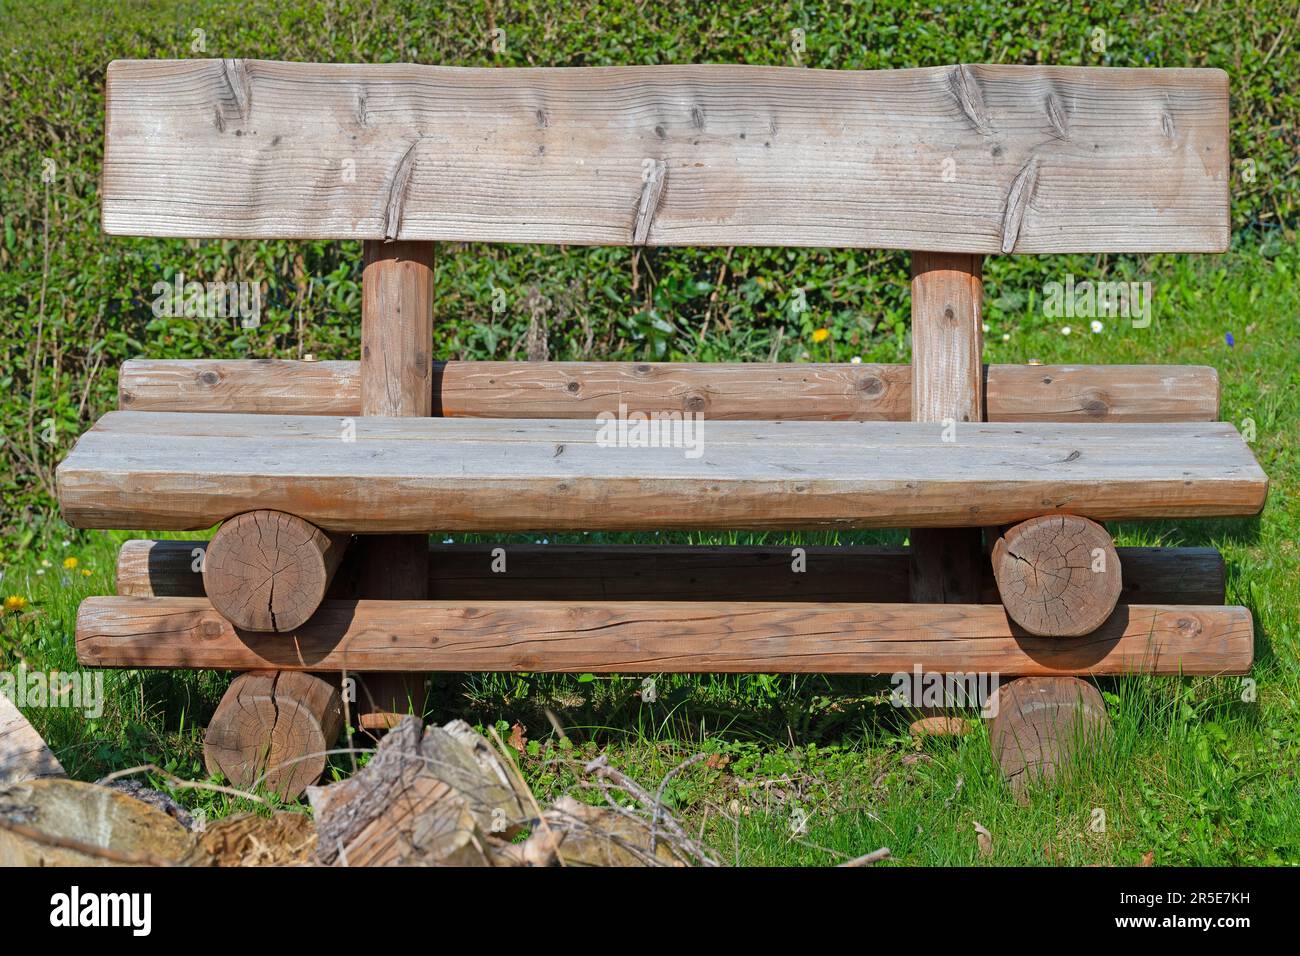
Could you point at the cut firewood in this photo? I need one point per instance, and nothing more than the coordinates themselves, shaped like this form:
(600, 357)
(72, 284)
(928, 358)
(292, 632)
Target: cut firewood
(275, 725)
(56, 822)
(1039, 725)
(248, 839)
(429, 796)
(1059, 575)
(23, 754)
(269, 571)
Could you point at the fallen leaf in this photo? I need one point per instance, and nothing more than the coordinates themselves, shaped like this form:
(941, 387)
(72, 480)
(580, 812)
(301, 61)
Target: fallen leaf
(517, 738)
(717, 761)
(984, 837)
(1148, 858)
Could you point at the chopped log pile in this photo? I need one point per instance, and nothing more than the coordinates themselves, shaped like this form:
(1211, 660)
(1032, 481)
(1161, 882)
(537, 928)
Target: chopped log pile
(430, 796)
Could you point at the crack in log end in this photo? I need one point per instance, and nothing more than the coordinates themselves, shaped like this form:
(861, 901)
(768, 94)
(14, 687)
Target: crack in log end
(397, 192)
(240, 85)
(970, 98)
(652, 188)
(1018, 199)
(1057, 116)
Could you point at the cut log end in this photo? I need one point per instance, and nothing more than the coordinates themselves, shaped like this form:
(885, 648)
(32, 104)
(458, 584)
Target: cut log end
(1040, 725)
(274, 727)
(269, 571)
(1058, 575)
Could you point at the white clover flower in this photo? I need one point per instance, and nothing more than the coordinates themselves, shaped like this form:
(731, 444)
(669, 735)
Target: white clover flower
(1066, 330)
(856, 360)
(1006, 336)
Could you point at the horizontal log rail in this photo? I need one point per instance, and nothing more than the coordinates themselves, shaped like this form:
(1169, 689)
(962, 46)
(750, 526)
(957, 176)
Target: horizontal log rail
(718, 391)
(166, 568)
(661, 636)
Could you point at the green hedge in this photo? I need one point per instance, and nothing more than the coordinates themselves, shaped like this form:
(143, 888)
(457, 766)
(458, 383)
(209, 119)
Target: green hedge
(75, 304)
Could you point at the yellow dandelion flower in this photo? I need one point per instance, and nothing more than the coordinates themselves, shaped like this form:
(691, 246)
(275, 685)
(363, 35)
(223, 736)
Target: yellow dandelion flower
(15, 602)
(85, 572)
(69, 563)
(821, 335)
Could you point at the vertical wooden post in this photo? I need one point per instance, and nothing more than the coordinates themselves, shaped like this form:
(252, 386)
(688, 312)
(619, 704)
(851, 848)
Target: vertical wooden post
(396, 381)
(947, 563)
(947, 386)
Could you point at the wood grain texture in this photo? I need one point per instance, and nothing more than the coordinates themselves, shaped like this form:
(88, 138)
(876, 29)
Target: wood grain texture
(661, 636)
(1040, 724)
(24, 754)
(184, 472)
(269, 571)
(719, 391)
(397, 329)
(397, 303)
(543, 572)
(1101, 393)
(1044, 159)
(947, 338)
(1057, 575)
(947, 388)
(273, 729)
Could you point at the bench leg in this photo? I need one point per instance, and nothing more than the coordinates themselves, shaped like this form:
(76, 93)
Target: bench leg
(946, 564)
(396, 381)
(274, 727)
(1039, 725)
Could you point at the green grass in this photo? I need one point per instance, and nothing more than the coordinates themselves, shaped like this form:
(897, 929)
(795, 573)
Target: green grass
(811, 770)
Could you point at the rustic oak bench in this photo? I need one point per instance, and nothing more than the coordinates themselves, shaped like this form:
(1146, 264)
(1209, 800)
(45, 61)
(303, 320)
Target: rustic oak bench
(1003, 473)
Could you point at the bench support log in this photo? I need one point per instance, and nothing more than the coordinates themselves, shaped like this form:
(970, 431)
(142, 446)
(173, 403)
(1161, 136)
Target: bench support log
(396, 381)
(633, 637)
(1038, 725)
(269, 571)
(274, 727)
(947, 389)
(1058, 575)
(557, 572)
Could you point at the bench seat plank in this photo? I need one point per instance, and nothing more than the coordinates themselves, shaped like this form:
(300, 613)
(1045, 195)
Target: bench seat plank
(177, 471)
(661, 636)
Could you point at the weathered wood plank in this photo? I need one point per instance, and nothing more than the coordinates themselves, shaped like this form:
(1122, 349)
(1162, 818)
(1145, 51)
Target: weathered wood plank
(637, 636)
(544, 572)
(1102, 393)
(184, 472)
(720, 392)
(24, 755)
(1041, 159)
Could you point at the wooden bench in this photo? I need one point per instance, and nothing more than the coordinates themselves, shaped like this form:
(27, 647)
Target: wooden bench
(1002, 472)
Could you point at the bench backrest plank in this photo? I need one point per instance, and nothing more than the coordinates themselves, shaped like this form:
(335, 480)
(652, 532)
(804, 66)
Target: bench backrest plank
(979, 159)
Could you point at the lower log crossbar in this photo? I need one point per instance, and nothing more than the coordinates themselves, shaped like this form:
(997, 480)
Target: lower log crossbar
(662, 636)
